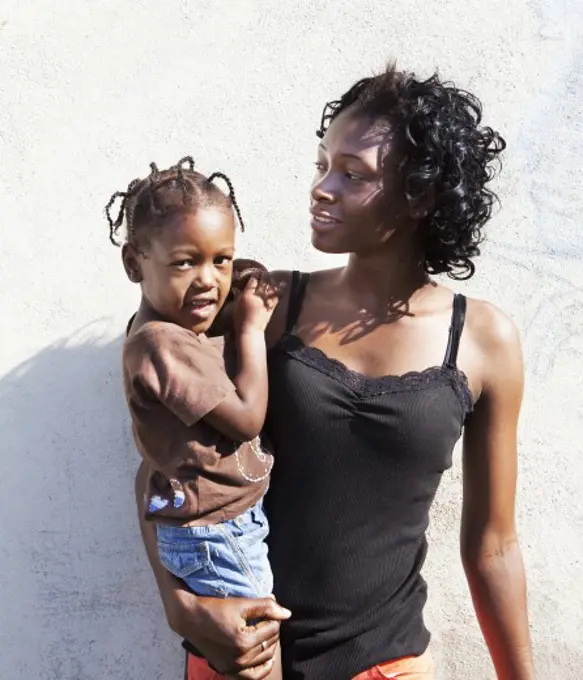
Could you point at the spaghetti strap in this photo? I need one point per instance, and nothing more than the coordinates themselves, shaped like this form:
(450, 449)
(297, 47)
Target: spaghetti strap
(296, 297)
(458, 317)
(130, 323)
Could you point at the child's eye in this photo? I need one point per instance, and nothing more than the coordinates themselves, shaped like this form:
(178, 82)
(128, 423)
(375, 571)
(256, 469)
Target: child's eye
(222, 260)
(182, 265)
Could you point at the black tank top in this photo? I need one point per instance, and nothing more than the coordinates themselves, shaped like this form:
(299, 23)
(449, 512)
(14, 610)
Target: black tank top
(358, 462)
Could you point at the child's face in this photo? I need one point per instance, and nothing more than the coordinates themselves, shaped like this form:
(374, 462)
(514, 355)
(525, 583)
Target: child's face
(186, 269)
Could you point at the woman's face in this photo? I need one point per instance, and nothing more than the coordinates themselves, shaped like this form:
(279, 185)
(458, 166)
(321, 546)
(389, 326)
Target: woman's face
(357, 200)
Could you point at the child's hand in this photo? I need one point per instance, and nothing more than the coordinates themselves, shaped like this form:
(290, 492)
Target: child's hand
(255, 304)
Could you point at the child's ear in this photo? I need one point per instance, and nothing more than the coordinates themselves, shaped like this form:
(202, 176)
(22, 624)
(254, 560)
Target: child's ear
(131, 263)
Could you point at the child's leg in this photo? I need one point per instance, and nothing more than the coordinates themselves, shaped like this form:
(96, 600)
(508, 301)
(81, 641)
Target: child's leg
(220, 560)
(242, 556)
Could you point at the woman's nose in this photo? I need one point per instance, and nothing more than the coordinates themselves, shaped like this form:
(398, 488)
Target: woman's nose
(323, 189)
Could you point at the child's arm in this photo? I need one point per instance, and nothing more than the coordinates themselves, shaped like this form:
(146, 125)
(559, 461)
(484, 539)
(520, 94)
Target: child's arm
(241, 415)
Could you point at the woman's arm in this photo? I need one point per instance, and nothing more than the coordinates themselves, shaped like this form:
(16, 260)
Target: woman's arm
(489, 544)
(217, 628)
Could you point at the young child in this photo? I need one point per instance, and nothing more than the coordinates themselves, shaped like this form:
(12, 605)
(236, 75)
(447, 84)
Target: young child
(197, 405)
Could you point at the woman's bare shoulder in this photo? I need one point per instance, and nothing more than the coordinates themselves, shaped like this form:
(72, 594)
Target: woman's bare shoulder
(491, 328)
(495, 341)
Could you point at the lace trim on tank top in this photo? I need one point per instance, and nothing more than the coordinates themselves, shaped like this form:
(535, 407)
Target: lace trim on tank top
(445, 374)
(365, 386)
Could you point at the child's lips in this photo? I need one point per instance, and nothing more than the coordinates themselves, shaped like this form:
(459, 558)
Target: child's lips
(202, 308)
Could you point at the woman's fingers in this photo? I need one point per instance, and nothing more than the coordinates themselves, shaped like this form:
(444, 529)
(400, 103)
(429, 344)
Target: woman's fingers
(252, 638)
(261, 639)
(259, 654)
(230, 644)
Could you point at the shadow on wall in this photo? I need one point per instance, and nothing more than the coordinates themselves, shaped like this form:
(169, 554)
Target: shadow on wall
(78, 600)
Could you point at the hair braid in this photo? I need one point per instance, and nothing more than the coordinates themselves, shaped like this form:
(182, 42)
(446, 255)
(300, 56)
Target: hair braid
(183, 185)
(186, 159)
(114, 225)
(129, 205)
(228, 182)
(153, 183)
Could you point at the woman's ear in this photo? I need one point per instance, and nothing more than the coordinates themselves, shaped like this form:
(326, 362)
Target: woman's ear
(131, 263)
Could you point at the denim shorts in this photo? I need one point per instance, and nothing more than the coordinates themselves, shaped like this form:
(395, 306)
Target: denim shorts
(220, 560)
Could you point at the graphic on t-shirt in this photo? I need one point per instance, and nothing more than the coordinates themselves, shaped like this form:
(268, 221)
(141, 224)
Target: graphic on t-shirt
(175, 497)
(265, 458)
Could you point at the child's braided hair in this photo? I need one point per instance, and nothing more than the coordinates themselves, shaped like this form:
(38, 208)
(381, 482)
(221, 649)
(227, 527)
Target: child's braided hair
(178, 189)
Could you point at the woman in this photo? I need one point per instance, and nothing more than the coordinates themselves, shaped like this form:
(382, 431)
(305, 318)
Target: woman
(374, 370)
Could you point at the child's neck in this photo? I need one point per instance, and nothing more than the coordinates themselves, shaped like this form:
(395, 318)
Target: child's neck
(146, 313)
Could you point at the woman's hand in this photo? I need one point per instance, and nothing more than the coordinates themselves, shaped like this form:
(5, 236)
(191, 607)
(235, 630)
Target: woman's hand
(219, 630)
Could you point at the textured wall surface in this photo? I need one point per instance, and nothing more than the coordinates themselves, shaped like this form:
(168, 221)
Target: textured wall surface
(90, 92)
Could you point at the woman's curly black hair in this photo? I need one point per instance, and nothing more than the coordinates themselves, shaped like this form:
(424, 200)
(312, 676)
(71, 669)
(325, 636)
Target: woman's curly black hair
(166, 192)
(448, 159)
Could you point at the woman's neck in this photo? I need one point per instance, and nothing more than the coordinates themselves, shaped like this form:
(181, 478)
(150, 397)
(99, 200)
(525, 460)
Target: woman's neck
(382, 283)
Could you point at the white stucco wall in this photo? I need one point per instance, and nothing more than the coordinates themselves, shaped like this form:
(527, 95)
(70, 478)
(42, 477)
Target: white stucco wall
(90, 93)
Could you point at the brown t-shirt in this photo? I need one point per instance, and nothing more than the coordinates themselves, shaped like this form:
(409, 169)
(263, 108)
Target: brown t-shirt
(172, 379)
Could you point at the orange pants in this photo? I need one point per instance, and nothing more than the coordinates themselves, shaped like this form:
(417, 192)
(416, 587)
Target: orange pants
(409, 668)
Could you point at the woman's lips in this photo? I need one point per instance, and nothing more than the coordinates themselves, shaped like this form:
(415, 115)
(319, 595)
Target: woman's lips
(322, 222)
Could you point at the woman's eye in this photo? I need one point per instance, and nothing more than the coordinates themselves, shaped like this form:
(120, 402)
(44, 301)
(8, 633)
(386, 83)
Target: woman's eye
(354, 176)
(319, 166)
